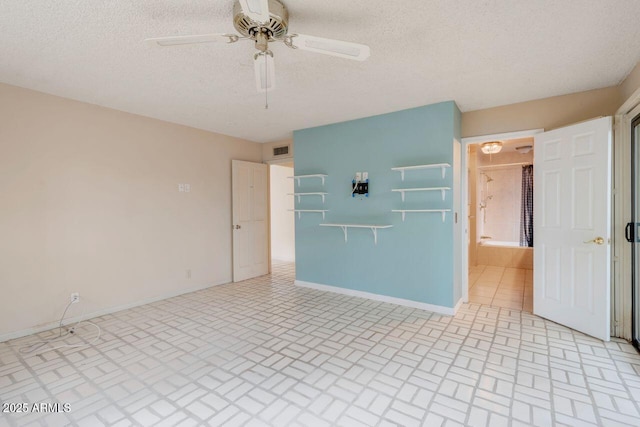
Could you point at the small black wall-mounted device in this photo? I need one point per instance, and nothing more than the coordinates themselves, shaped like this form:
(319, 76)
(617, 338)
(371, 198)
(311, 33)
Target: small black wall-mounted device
(360, 188)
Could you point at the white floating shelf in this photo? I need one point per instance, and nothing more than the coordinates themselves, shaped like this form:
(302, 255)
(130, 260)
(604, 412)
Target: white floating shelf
(406, 190)
(298, 195)
(300, 211)
(374, 229)
(404, 211)
(317, 175)
(442, 166)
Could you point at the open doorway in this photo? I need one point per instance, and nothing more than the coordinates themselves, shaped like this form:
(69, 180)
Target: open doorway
(501, 232)
(281, 187)
(499, 194)
(572, 223)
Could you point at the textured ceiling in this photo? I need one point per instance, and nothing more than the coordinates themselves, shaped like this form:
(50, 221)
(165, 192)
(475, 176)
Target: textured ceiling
(480, 53)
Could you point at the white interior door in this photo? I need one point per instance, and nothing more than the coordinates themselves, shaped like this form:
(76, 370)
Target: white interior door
(572, 217)
(250, 220)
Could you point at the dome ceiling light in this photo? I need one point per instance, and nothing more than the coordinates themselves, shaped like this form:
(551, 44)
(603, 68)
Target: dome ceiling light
(492, 147)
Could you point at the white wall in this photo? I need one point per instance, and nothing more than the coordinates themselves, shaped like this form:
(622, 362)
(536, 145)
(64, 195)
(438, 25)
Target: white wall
(89, 203)
(282, 221)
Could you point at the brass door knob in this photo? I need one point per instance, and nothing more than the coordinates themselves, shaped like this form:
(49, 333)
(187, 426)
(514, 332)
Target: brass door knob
(597, 241)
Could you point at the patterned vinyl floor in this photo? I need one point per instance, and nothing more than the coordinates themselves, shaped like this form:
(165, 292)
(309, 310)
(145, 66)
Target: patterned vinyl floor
(266, 353)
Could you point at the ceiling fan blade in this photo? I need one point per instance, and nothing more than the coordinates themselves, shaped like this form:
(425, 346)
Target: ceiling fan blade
(258, 10)
(348, 50)
(265, 73)
(180, 40)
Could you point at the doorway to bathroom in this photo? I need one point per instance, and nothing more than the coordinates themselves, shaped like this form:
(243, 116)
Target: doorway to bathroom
(572, 204)
(500, 223)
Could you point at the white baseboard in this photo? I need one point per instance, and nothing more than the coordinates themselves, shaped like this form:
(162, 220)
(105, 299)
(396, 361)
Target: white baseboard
(458, 305)
(36, 329)
(383, 298)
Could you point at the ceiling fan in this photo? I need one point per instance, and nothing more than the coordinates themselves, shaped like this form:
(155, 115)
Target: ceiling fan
(264, 22)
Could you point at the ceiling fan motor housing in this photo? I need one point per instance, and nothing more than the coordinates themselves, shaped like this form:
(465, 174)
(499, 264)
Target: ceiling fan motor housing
(275, 29)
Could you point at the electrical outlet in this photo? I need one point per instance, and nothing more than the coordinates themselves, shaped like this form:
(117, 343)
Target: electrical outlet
(358, 177)
(365, 176)
(75, 297)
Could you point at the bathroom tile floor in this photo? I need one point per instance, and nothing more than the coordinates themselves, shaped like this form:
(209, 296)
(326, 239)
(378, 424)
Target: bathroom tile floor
(501, 287)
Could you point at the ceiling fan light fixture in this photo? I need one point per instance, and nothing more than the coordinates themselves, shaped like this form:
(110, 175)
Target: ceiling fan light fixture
(265, 72)
(492, 147)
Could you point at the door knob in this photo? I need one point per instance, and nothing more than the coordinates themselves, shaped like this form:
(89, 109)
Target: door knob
(237, 227)
(597, 241)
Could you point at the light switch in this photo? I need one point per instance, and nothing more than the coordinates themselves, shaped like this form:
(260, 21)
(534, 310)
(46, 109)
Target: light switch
(187, 188)
(181, 188)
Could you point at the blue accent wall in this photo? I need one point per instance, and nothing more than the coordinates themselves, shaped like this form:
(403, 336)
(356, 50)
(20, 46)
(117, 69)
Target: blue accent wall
(414, 259)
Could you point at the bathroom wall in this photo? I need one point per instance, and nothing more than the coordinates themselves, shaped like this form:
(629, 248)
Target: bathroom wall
(502, 256)
(413, 260)
(500, 219)
(503, 209)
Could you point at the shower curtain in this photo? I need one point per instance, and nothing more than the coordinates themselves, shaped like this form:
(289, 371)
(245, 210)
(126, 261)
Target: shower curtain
(526, 207)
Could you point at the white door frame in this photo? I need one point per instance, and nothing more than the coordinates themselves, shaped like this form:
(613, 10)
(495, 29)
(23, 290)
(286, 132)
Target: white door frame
(288, 163)
(464, 195)
(621, 250)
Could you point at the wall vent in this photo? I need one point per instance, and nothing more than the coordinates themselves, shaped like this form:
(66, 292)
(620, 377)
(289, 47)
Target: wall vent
(280, 151)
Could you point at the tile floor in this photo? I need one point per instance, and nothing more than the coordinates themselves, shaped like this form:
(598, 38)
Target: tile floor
(266, 353)
(501, 287)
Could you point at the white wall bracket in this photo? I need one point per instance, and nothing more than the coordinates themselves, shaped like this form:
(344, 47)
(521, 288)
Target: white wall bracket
(404, 212)
(374, 229)
(317, 175)
(300, 211)
(406, 190)
(442, 166)
(298, 195)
